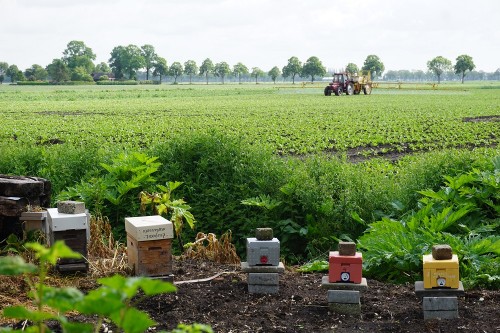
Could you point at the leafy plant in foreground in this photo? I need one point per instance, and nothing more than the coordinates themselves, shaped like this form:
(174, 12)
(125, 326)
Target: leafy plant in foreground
(464, 214)
(112, 300)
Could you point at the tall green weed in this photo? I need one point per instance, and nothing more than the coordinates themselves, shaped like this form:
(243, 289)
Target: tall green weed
(464, 213)
(115, 192)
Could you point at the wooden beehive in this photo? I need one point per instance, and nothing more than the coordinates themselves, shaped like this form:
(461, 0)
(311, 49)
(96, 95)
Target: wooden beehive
(76, 240)
(150, 258)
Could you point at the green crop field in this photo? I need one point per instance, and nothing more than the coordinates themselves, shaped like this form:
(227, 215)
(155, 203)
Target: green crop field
(252, 155)
(292, 120)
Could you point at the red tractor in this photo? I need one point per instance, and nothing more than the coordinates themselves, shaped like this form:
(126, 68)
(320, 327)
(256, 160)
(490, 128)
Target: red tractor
(349, 84)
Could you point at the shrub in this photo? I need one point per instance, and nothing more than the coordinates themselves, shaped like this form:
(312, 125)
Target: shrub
(33, 83)
(464, 213)
(115, 192)
(118, 83)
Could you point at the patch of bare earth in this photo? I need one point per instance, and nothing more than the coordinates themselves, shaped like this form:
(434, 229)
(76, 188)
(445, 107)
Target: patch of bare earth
(300, 305)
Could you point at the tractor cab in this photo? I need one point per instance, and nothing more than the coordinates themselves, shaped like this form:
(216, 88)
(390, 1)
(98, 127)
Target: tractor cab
(338, 78)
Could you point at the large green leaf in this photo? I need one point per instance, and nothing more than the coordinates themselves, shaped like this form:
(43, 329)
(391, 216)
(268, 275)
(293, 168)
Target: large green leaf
(62, 299)
(20, 312)
(58, 250)
(132, 320)
(11, 265)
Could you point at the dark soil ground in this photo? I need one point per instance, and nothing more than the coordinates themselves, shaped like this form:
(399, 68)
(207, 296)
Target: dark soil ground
(301, 305)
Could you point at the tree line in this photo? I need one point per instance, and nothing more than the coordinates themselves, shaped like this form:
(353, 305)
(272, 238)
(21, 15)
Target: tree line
(132, 62)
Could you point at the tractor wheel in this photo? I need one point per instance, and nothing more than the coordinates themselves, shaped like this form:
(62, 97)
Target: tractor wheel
(338, 91)
(328, 91)
(350, 89)
(367, 89)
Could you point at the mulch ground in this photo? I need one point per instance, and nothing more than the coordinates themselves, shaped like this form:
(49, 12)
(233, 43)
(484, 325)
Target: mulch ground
(301, 305)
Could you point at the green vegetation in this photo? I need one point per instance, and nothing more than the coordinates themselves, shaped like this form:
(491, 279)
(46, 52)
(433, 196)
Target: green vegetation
(115, 300)
(464, 213)
(273, 143)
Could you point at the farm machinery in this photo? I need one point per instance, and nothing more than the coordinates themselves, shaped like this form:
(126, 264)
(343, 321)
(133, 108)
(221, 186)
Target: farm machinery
(349, 84)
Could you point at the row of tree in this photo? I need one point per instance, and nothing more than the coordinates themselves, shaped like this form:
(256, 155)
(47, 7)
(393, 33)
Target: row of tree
(440, 64)
(129, 62)
(77, 64)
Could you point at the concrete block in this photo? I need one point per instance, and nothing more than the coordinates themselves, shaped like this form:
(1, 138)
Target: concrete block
(262, 289)
(440, 303)
(266, 279)
(264, 234)
(263, 252)
(71, 207)
(420, 291)
(442, 252)
(343, 296)
(246, 268)
(347, 248)
(440, 307)
(325, 284)
(452, 314)
(346, 309)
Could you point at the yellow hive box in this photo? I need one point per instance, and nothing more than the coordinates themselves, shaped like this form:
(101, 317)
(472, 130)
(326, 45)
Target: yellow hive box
(441, 273)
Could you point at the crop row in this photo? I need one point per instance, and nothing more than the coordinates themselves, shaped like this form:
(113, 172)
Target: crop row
(289, 121)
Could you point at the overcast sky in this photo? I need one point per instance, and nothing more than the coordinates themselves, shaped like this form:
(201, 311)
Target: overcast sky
(405, 34)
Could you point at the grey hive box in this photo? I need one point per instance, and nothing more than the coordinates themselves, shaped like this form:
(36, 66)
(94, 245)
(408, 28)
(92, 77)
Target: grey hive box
(263, 253)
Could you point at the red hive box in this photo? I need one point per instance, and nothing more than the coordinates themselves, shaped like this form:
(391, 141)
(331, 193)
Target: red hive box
(346, 269)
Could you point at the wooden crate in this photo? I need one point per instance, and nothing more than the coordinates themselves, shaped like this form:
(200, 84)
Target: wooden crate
(150, 258)
(76, 240)
(33, 220)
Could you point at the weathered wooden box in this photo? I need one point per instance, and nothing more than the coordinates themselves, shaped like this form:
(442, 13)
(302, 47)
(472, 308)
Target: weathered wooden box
(150, 258)
(33, 220)
(76, 240)
(149, 245)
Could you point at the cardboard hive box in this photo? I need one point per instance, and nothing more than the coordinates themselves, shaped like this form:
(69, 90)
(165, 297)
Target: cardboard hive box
(346, 269)
(149, 245)
(441, 273)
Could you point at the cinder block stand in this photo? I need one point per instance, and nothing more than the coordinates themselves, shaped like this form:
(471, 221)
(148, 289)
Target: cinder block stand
(344, 281)
(441, 287)
(344, 298)
(439, 303)
(263, 265)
